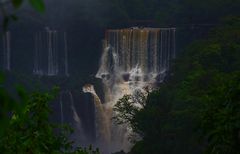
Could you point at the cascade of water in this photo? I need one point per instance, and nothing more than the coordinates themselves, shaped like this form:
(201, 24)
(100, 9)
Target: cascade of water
(75, 114)
(174, 43)
(169, 49)
(104, 68)
(52, 53)
(53, 47)
(66, 54)
(55, 53)
(7, 51)
(132, 60)
(102, 122)
(78, 135)
(37, 57)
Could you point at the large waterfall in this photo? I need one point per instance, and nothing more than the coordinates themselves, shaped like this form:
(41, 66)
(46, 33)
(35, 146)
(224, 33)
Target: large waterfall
(51, 53)
(132, 59)
(6, 52)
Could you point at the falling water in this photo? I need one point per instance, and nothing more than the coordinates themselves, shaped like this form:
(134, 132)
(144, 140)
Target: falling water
(79, 134)
(38, 55)
(7, 51)
(133, 59)
(75, 114)
(51, 45)
(101, 121)
(52, 53)
(66, 54)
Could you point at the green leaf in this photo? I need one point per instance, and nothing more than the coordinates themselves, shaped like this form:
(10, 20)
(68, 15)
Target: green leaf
(38, 5)
(17, 3)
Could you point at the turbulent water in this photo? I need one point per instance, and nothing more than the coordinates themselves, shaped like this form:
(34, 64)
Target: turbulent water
(6, 52)
(132, 59)
(51, 53)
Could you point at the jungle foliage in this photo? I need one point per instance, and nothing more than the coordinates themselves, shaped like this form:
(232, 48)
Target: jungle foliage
(26, 128)
(196, 110)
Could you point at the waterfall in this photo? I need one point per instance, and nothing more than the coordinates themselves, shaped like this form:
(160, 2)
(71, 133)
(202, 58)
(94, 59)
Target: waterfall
(79, 134)
(102, 122)
(38, 55)
(51, 53)
(66, 54)
(132, 59)
(7, 51)
(75, 114)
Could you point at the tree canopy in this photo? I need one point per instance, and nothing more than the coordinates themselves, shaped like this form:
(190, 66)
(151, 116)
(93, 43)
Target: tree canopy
(197, 109)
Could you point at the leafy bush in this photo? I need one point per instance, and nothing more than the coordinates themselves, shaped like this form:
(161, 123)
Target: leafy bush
(27, 128)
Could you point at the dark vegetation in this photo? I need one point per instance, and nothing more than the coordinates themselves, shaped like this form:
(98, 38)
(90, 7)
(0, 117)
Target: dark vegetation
(197, 108)
(26, 128)
(25, 125)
